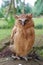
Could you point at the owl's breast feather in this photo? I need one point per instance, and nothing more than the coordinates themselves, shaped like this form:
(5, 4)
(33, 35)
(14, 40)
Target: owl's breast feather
(23, 40)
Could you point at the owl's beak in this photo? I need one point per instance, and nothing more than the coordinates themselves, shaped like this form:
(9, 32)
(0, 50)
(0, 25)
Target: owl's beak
(23, 23)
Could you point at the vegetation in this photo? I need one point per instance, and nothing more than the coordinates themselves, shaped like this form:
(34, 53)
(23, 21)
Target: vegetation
(4, 33)
(38, 8)
(38, 22)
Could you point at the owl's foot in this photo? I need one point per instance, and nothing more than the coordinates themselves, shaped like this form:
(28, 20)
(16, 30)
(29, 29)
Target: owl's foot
(15, 57)
(25, 58)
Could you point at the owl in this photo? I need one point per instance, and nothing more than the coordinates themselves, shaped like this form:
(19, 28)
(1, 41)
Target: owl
(23, 35)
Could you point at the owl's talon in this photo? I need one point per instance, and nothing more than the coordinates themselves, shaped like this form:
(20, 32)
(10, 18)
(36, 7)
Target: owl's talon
(15, 57)
(18, 58)
(25, 58)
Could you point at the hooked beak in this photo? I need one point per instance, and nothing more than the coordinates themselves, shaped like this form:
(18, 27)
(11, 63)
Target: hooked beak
(23, 23)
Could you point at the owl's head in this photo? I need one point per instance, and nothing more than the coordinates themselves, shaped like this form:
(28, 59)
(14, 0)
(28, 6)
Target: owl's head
(23, 19)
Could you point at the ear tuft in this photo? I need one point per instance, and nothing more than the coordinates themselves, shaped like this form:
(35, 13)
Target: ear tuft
(30, 16)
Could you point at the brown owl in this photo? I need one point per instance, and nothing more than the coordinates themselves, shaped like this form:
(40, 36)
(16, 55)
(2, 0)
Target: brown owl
(22, 35)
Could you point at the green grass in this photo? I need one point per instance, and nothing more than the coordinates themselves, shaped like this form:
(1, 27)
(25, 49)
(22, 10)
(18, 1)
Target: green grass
(38, 21)
(3, 22)
(4, 33)
(40, 52)
(38, 31)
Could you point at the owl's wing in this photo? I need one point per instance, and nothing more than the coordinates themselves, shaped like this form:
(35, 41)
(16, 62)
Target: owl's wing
(12, 34)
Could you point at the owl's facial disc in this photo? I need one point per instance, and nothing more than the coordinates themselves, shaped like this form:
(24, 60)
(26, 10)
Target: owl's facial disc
(23, 21)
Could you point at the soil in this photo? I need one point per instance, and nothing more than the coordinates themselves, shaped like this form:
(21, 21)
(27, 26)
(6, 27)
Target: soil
(5, 59)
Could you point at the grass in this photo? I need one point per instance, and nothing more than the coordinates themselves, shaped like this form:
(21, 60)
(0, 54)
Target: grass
(38, 21)
(38, 31)
(40, 52)
(4, 33)
(3, 22)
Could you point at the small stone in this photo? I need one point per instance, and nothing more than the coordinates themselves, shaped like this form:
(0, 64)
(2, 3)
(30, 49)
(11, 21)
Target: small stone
(19, 64)
(7, 58)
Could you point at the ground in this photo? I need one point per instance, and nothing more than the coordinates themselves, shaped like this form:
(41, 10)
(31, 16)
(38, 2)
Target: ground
(18, 62)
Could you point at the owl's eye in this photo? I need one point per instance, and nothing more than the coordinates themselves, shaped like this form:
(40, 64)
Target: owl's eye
(26, 20)
(20, 20)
